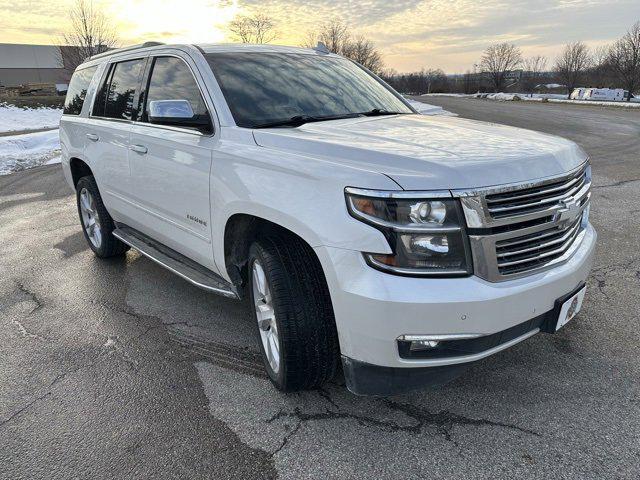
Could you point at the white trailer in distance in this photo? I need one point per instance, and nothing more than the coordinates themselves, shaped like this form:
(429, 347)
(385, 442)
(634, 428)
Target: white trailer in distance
(600, 94)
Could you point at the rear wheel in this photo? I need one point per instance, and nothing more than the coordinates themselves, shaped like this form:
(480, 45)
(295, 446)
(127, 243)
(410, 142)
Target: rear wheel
(293, 313)
(97, 224)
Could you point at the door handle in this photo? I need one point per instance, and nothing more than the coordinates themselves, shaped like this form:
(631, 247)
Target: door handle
(139, 149)
(93, 137)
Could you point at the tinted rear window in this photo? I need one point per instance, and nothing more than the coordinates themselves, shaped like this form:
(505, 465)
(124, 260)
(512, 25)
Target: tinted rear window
(77, 90)
(119, 90)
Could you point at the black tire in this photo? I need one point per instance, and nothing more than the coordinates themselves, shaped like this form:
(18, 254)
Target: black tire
(308, 340)
(109, 246)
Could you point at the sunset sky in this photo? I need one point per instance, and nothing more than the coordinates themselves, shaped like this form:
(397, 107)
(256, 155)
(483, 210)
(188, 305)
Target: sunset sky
(412, 34)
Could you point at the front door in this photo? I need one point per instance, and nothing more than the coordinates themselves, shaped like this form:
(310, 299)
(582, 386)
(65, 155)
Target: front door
(170, 167)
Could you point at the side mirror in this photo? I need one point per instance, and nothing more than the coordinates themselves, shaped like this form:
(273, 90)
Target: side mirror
(177, 113)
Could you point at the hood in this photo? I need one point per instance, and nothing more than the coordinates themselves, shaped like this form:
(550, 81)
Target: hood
(428, 153)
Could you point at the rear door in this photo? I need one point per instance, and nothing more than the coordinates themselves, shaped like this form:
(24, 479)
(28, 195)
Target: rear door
(72, 124)
(107, 133)
(170, 165)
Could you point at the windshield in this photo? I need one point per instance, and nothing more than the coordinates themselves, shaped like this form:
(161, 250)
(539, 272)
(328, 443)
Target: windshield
(273, 88)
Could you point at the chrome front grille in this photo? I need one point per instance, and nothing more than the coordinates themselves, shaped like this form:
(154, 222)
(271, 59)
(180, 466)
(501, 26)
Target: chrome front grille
(521, 254)
(519, 202)
(517, 230)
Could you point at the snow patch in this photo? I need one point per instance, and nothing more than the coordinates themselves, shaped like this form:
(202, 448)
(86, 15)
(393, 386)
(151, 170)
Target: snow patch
(19, 152)
(550, 85)
(538, 97)
(555, 98)
(14, 118)
(633, 104)
(426, 109)
(503, 97)
(461, 95)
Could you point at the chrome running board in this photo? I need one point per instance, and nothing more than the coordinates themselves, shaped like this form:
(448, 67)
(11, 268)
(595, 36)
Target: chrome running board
(175, 262)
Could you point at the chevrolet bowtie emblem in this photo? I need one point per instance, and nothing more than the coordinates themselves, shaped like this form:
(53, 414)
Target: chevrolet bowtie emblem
(569, 211)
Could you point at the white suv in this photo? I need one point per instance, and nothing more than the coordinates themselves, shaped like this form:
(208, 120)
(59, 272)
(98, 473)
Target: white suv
(399, 246)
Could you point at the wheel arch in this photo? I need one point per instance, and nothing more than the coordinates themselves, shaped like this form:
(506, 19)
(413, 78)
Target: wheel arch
(240, 231)
(79, 168)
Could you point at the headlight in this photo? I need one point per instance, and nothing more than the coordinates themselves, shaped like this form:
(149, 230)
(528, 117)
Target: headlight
(426, 234)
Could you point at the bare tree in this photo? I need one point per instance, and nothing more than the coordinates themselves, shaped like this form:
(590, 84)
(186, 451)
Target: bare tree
(387, 73)
(498, 60)
(468, 81)
(600, 73)
(364, 52)
(571, 65)
(534, 69)
(435, 79)
(90, 32)
(624, 59)
(536, 65)
(259, 28)
(424, 81)
(336, 37)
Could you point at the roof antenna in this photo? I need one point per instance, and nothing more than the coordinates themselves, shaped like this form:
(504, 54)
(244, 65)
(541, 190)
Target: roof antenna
(322, 48)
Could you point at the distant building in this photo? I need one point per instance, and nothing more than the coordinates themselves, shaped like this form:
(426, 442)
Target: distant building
(21, 64)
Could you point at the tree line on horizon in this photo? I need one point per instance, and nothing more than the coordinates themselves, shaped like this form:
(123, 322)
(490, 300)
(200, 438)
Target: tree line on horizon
(615, 66)
(609, 66)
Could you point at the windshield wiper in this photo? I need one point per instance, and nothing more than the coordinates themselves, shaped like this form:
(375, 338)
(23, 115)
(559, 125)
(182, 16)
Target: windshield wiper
(376, 112)
(299, 120)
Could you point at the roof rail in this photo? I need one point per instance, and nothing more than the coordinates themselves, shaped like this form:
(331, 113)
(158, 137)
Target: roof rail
(125, 49)
(322, 48)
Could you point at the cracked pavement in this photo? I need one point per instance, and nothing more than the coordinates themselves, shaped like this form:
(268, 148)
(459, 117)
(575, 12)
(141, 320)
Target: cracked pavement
(118, 369)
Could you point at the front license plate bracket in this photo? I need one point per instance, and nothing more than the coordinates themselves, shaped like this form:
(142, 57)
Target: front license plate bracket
(559, 316)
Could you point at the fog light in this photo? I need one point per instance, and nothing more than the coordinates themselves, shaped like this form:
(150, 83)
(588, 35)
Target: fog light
(423, 345)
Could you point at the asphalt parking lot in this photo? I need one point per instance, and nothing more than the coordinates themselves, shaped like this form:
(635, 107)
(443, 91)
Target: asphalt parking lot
(118, 369)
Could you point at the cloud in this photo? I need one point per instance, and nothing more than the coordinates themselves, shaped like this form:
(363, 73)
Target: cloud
(412, 34)
(361, 13)
(452, 35)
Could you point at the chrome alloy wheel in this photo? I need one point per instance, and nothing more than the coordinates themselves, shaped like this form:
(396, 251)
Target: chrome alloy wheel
(90, 218)
(266, 316)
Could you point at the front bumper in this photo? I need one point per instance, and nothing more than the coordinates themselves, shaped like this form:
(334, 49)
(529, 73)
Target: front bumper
(373, 309)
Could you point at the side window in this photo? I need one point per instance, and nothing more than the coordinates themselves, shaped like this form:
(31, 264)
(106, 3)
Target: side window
(119, 90)
(171, 79)
(77, 90)
(101, 94)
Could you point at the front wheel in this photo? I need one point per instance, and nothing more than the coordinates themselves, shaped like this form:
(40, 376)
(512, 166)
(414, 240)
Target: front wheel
(293, 313)
(97, 224)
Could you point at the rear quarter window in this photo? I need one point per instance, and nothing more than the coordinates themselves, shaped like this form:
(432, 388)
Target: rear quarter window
(77, 91)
